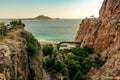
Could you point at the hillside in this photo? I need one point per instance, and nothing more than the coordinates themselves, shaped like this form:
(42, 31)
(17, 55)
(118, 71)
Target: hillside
(103, 34)
(20, 54)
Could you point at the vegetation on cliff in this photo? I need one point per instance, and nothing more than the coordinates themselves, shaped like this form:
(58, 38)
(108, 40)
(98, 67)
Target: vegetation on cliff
(103, 34)
(20, 53)
(72, 64)
(13, 25)
(32, 46)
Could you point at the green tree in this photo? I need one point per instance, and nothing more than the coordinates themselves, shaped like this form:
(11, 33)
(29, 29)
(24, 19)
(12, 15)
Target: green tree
(47, 50)
(80, 52)
(49, 63)
(58, 66)
(17, 24)
(73, 66)
(80, 76)
(32, 47)
(98, 62)
(88, 49)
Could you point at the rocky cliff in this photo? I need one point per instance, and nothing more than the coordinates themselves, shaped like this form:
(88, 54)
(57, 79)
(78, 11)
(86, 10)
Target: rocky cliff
(15, 60)
(103, 34)
(110, 8)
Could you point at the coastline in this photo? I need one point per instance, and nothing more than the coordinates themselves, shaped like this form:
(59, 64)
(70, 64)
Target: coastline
(43, 42)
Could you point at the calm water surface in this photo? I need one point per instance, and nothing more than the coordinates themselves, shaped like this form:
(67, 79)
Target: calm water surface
(54, 30)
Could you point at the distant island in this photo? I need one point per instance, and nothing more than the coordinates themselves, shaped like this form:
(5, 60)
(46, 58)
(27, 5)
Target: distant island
(41, 17)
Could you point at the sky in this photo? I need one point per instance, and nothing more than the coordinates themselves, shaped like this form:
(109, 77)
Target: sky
(51, 8)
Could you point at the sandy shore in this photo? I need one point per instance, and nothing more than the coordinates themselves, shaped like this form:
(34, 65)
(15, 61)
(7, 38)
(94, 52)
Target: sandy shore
(42, 42)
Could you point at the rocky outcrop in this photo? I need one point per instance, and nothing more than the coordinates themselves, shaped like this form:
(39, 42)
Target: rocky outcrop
(103, 34)
(15, 62)
(110, 8)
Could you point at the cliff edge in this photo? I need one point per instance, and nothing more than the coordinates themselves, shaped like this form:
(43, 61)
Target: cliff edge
(103, 34)
(17, 62)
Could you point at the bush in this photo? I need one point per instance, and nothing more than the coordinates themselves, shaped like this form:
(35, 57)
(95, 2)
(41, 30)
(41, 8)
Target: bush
(47, 50)
(73, 66)
(58, 66)
(32, 47)
(80, 76)
(49, 63)
(85, 66)
(98, 62)
(32, 50)
(88, 49)
(17, 24)
(80, 52)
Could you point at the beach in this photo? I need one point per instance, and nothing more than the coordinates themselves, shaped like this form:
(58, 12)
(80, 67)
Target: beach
(43, 42)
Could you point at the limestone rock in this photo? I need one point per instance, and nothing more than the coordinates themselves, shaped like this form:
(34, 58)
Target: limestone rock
(110, 8)
(103, 34)
(14, 63)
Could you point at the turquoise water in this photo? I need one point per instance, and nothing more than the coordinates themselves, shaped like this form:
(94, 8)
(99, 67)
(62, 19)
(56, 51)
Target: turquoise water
(54, 30)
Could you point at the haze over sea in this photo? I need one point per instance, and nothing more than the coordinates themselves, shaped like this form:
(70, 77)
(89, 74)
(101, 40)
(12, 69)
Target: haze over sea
(54, 30)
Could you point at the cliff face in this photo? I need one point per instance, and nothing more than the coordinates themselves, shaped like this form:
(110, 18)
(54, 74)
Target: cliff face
(15, 62)
(110, 8)
(103, 34)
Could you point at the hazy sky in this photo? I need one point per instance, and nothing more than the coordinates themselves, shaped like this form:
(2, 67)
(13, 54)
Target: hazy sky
(52, 8)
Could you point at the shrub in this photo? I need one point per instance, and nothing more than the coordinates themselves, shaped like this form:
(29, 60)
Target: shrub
(85, 66)
(17, 24)
(88, 49)
(80, 52)
(58, 66)
(73, 67)
(76, 63)
(80, 76)
(47, 50)
(32, 47)
(49, 63)
(65, 71)
(98, 62)
(32, 50)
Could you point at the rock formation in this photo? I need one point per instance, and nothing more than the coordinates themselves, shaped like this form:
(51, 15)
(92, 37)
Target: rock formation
(110, 8)
(103, 34)
(15, 62)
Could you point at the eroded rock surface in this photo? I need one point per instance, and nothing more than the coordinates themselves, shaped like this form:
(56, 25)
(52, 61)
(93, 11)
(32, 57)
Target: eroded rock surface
(110, 8)
(14, 63)
(103, 34)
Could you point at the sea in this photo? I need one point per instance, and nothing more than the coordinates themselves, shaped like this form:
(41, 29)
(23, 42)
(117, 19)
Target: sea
(57, 30)
(54, 30)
